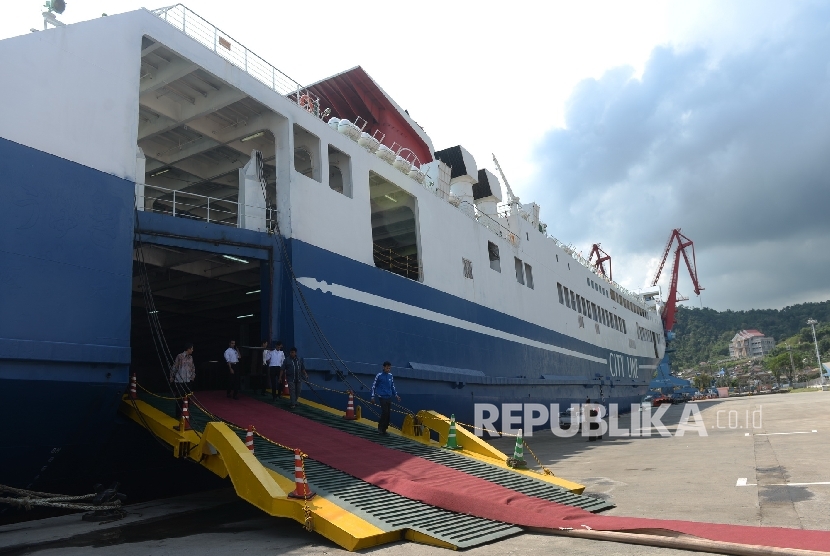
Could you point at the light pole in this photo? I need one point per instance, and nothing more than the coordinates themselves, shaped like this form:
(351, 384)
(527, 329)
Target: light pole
(792, 365)
(813, 323)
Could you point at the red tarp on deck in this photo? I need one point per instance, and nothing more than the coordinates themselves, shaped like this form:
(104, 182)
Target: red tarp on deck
(434, 484)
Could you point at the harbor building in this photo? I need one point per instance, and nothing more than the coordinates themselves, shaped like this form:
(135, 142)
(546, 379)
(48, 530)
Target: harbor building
(750, 343)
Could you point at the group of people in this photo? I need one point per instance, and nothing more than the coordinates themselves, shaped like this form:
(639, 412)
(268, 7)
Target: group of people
(278, 369)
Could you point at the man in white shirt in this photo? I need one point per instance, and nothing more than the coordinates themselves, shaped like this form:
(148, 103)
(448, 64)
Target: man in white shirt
(275, 358)
(232, 359)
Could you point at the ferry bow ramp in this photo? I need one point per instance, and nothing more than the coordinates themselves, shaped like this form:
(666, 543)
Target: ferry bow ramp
(369, 489)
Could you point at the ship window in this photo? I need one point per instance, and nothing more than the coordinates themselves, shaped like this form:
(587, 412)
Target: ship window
(394, 228)
(340, 172)
(567, 298)
(307, 153)
(594, 311)
(559, 290)
(573, 301)
(623, 327)
(468, 268)
(588, 280)
(493, 253)
(529, 276)
(520, 275)
(579, 304)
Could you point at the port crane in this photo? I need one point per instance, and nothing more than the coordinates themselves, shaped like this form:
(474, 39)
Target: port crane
(602, 257)
(683, 244)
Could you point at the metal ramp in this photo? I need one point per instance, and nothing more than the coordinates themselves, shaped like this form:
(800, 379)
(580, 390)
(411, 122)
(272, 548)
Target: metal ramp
(507, 478)
(351, 512)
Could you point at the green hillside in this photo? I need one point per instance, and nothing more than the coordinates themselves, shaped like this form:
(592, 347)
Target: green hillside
(704, 334)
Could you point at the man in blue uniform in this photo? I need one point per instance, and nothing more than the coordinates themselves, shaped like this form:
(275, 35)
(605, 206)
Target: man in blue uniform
(293, 370)
(384, 388)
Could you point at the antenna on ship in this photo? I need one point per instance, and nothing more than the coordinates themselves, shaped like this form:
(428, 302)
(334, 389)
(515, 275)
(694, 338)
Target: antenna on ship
(57, 6)
(511, 198)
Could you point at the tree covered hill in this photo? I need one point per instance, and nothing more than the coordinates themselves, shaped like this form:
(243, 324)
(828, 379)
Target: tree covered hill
(704, 334)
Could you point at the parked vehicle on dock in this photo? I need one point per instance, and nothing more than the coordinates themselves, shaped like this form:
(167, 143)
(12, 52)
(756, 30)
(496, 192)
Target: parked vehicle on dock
(678, 397)
(655, 400)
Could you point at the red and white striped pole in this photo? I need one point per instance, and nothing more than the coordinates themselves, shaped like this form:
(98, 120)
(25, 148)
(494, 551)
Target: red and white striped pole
(249, 439)
(133, 388)
(301, 489)
(350, 414)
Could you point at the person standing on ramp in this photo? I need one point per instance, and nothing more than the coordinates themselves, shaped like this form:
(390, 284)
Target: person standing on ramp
(293, 369)
(384, 388)
(275, 358)
(232, 359)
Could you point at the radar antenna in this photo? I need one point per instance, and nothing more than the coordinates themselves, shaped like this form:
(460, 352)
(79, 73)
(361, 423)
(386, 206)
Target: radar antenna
(52, 7)
(510, 197)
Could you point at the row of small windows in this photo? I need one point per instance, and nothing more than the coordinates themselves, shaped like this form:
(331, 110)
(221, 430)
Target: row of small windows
(648, 335)
(628, 305)
(524, 276)
(582, 306)
(596, 286)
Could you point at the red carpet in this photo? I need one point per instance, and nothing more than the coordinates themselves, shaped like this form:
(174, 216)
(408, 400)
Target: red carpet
(434, 484)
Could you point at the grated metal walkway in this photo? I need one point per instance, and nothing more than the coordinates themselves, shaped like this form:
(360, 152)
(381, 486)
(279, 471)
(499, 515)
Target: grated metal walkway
(514, 481)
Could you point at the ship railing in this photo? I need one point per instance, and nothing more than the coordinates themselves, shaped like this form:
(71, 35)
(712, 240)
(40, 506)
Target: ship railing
(622, 290)
(215, 210)
(389, 259)
(202, 31)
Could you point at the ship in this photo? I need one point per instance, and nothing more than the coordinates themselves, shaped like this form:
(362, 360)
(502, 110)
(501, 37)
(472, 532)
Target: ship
(164, 184)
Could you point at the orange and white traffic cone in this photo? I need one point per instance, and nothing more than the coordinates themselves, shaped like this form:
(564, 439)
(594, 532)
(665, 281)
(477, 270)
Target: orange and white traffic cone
(133, 388)
(249, 439)
(350, 415)
(286, 393)
(185, 422)
(301, 488)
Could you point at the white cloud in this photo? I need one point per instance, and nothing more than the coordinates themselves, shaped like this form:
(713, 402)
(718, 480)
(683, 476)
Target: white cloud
(730, 146)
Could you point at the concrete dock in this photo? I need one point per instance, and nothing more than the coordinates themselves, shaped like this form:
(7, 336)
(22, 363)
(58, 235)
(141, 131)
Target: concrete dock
(772, 473)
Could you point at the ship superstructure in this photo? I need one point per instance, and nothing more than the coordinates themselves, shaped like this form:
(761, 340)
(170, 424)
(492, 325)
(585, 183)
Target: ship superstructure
(261, 209)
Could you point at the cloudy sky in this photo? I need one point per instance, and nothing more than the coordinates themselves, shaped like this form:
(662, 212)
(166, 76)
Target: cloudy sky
(623, 120)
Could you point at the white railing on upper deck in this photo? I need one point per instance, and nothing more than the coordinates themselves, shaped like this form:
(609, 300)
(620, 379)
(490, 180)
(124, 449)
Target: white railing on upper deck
(622, 290)
(196, 27)
(183, 204)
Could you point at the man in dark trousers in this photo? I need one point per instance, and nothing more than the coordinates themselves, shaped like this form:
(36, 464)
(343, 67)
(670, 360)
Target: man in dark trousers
(292, 370)
(232, 360)
(384, 388)
(275, 358)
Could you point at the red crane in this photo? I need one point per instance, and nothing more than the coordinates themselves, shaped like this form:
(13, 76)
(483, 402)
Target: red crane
(602, 256)
(671, 301)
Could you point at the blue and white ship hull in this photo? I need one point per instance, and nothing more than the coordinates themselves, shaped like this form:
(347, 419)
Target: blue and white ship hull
(142, 151)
